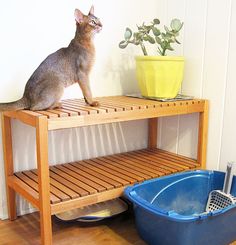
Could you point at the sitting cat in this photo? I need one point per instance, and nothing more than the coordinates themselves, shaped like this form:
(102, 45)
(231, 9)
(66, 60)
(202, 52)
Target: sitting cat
(61, 69)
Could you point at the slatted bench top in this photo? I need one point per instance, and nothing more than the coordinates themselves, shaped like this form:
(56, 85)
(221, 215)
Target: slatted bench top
(75, 112)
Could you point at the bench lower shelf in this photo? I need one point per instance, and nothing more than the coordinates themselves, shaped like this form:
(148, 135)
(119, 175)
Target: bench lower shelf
(86, 182)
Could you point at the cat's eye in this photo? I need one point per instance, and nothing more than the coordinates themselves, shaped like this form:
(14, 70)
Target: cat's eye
(93, 22)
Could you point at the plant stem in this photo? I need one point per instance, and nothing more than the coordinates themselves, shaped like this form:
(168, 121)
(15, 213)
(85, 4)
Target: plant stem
(162, 51)
(143, 49)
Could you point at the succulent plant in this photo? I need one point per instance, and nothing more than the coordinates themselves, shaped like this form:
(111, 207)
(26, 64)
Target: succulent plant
(151, 34)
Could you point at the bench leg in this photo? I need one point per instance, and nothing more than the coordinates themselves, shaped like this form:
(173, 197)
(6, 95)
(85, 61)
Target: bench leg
(9, 168)
(44, 181)
(152, 132)
(202, 136)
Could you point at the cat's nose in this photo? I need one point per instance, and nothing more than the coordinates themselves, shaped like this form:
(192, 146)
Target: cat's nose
(99, 28)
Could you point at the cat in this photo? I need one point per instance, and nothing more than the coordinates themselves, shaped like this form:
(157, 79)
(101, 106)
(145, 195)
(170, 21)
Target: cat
(61, 69)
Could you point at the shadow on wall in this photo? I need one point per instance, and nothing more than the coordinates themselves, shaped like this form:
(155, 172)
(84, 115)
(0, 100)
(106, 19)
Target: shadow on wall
(124, 72)
(77, 143)
(69, 145)
(188, 130)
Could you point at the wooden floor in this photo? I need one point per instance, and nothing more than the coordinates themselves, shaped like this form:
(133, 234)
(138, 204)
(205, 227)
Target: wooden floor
(117, 231)
(25, 231)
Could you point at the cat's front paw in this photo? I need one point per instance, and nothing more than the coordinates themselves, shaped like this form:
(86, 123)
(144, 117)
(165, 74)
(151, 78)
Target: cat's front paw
(94, 103)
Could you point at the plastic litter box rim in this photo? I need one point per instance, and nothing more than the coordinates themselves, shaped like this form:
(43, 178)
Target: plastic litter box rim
(131, 194)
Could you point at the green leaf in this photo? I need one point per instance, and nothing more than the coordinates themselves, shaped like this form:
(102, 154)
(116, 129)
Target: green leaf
(168, 36)
(163, 45)
(166, 29)
(164, 36)
(148, 27)
(150, 39)
(176, 25)
(156, 21)
(169, 47)
(123, 44)
(145, 38)
(158, 40)
(128, 34)
(156, 31)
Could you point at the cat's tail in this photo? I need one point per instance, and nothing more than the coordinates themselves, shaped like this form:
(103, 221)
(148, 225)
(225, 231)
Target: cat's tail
(15, 105)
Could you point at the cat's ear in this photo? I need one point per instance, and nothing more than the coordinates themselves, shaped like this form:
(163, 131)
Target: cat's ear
(78, 16)
(91, 11)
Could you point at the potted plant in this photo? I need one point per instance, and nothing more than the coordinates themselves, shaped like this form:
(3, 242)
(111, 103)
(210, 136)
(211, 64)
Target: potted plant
(158, 76)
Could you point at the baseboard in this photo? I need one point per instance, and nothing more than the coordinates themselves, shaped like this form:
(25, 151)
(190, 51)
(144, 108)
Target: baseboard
(4, 213)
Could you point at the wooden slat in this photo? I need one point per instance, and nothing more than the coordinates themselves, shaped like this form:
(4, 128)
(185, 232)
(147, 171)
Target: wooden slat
(23, 189)
(101, 105)
(106, 176)
(56, 192)
(34, 185)
(64, 185)
(164, 157)
(139, 164)
(82, 184)
(141, 108)
(141, 102)
(127, 171)
(175, 158)
(74, 108)
(98, 109)
(111, 108)
(59, 112)
(91, 175)
(136, 102)
(158, 110)
(152, 164)
(131, 170)
(71, 113)
(117, 172)
(123, 106)
(163, 162)
(87, 109)
(107, 171)
(56, 188)
(88, 178)
(48, 114)
(117, 108)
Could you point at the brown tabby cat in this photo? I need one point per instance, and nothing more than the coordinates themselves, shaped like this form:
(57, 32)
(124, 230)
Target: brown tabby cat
(61, 69)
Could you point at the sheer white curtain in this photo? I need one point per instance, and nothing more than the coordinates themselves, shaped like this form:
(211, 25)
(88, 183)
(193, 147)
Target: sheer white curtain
(70, 145)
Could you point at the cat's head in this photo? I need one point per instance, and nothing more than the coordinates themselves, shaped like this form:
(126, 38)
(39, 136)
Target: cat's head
(90, 24)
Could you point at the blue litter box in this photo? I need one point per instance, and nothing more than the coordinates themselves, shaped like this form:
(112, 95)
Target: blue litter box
(171, 210)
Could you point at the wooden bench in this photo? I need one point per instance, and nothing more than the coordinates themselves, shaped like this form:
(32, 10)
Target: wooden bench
(63, 187)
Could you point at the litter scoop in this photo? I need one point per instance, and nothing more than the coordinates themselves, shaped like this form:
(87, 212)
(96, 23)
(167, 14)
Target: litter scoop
(221, 199)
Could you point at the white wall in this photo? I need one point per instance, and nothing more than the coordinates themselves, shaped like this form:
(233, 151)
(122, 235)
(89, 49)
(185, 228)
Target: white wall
(30, 30)
(208, 46)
